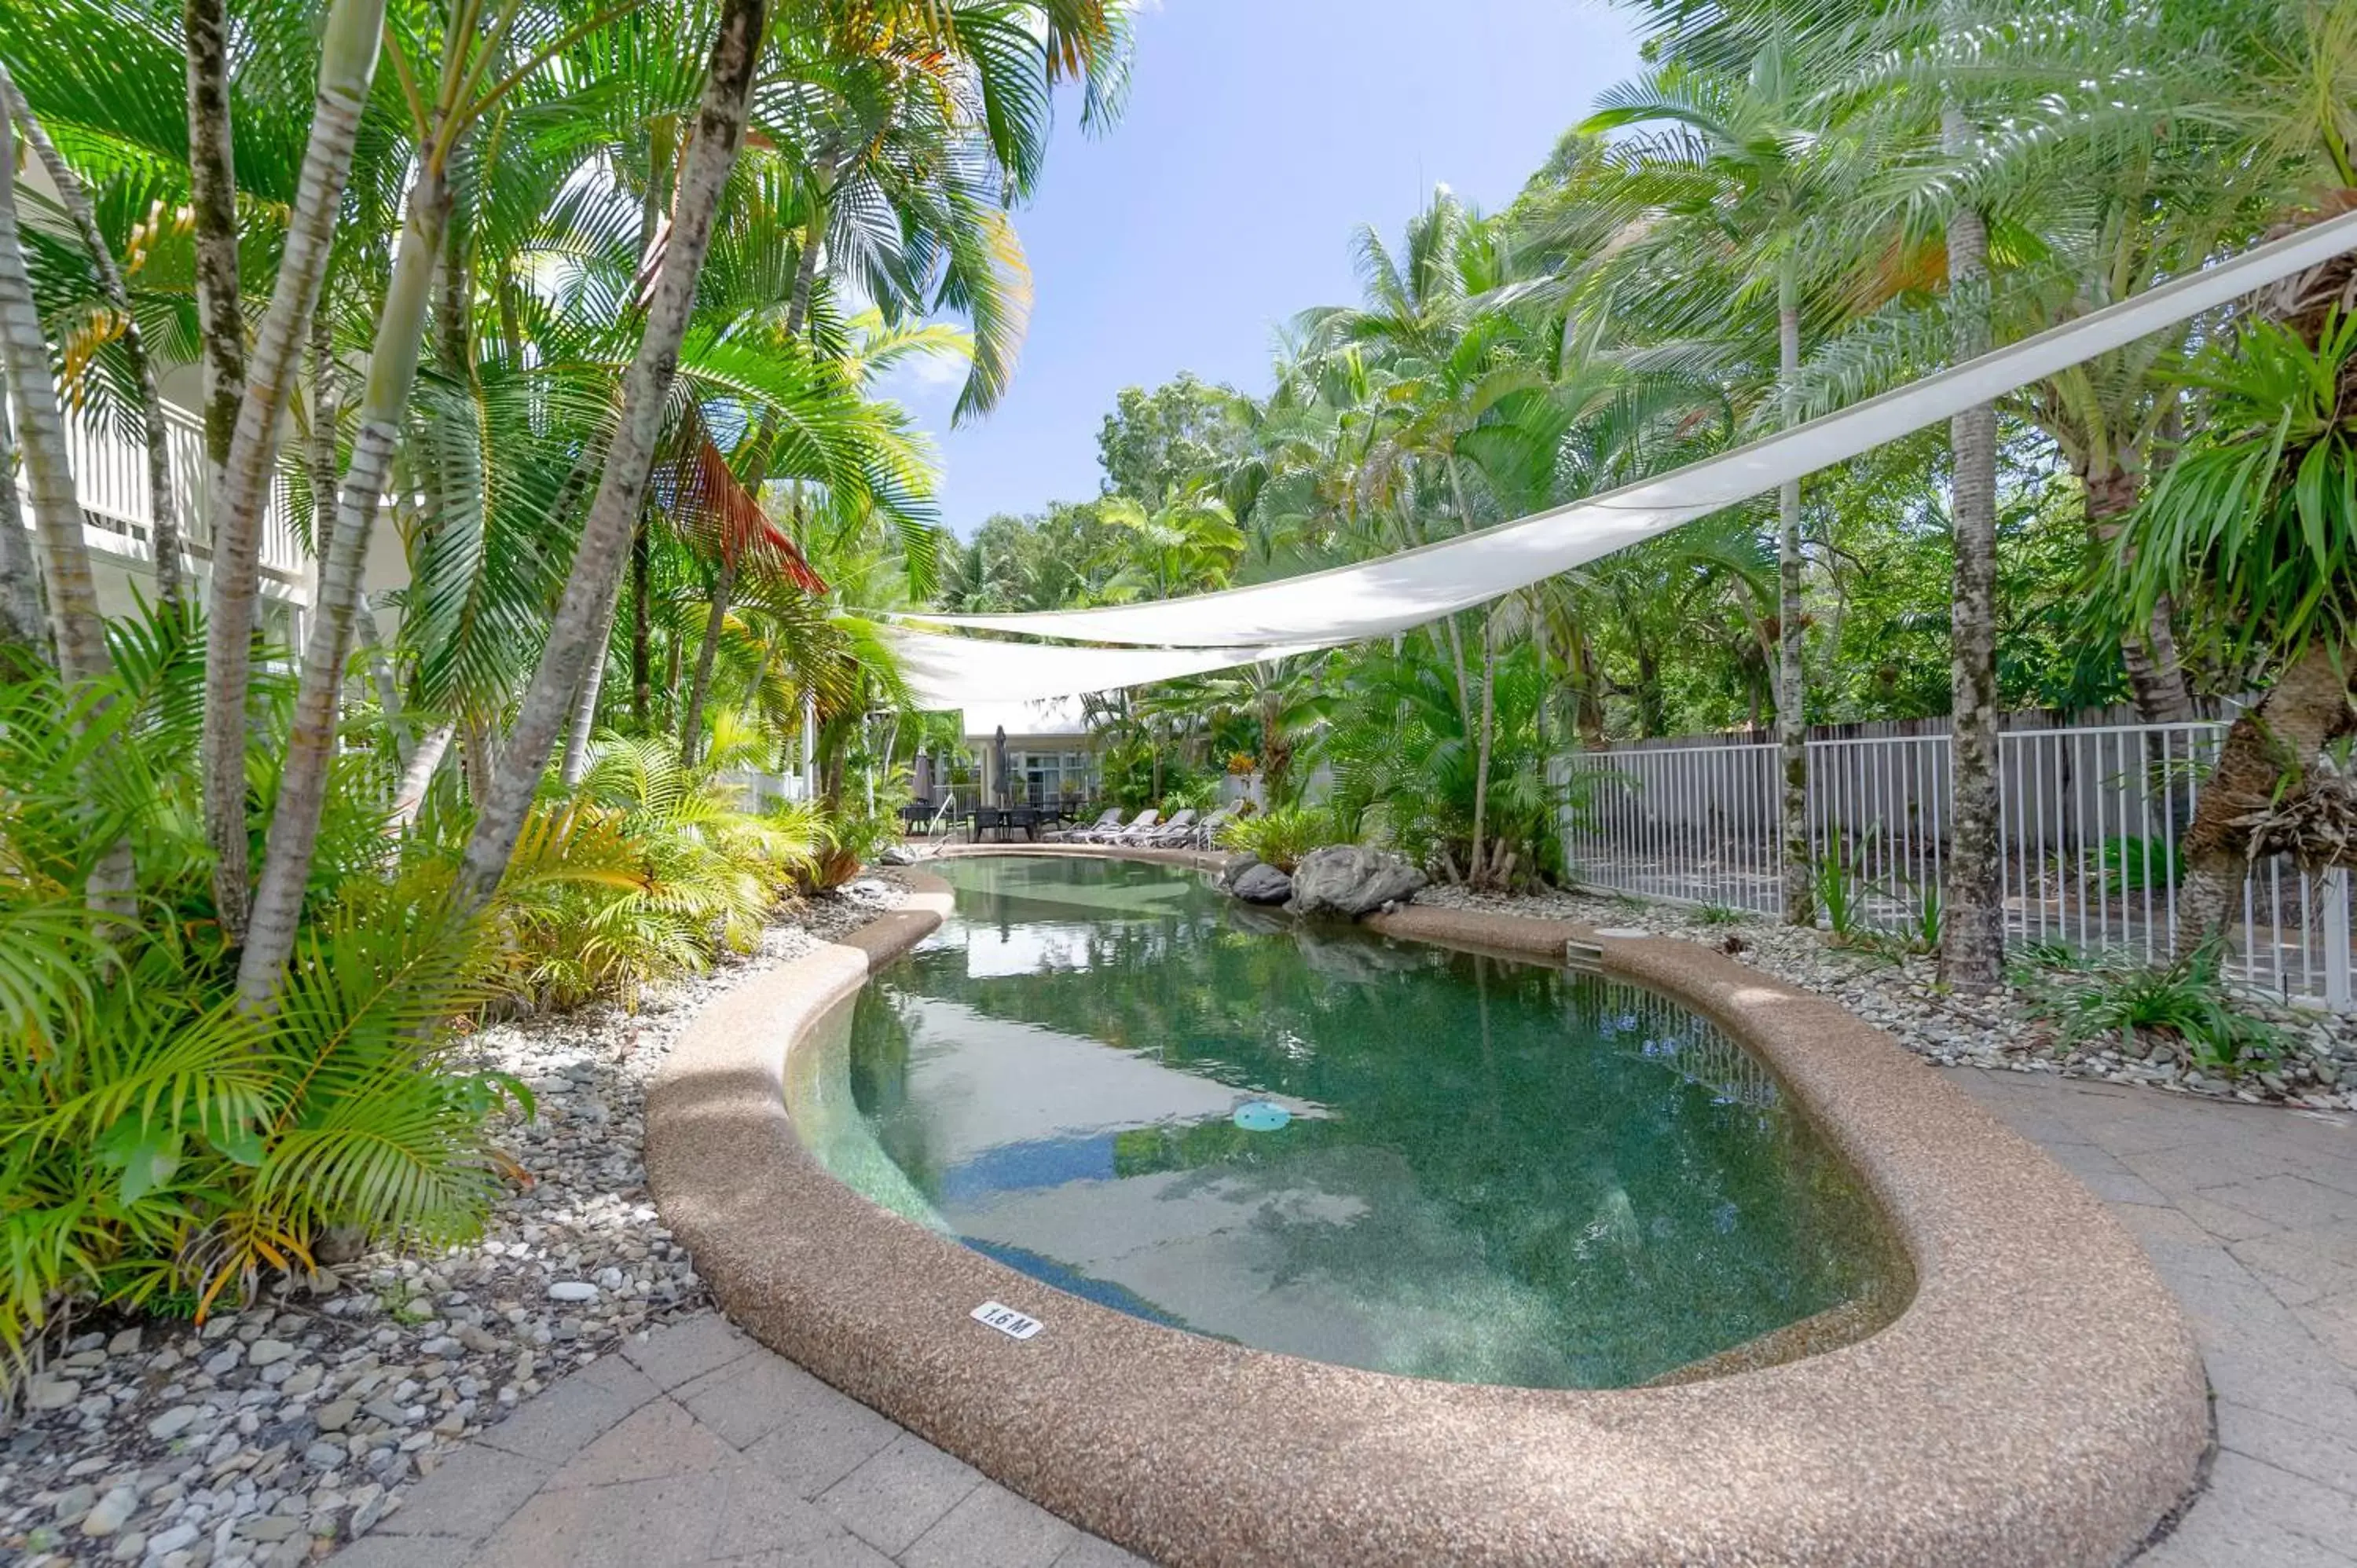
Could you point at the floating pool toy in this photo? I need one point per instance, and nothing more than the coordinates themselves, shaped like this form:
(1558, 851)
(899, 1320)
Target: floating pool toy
(1261, 1116)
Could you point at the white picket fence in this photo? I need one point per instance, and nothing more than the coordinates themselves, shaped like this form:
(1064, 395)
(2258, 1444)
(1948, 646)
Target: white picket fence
(2090, 815)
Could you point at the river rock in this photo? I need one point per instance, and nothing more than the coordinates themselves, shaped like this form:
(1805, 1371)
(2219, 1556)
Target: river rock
(1262, 884)
(1351, 880)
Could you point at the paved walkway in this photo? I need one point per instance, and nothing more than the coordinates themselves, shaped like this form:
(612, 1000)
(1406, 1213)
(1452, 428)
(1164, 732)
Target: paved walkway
(697, 1448)
(2251, 1214)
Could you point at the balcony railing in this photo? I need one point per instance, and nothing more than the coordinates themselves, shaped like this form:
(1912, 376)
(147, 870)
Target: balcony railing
(110, 475)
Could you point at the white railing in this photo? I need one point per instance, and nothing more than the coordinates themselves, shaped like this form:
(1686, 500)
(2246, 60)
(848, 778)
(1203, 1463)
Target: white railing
(760, 790)
(2090, 816)
(111, 477)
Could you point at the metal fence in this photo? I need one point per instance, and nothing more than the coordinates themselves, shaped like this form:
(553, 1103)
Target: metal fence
(2091, 817)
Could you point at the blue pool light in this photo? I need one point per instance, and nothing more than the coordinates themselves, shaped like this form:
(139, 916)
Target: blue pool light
(1261, 1116)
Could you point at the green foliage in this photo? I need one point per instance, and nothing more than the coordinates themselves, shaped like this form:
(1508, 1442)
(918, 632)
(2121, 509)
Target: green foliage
(1281, 837)
(1840, 895)
(1405, 759)
(649, 869)
(2183, 1007)
(1721, 915)
(2254, 525)
(159, 1144)
(2134, 865)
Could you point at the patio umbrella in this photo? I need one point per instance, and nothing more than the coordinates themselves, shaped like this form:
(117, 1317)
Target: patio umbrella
(999, 762)
(921, 781)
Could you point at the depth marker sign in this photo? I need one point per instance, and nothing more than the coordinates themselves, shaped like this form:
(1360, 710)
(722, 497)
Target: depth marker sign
(1007, 1320)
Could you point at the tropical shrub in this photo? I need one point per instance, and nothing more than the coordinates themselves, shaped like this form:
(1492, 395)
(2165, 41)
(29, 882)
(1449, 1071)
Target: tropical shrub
(2183, 1006)
(1283, 836)
(158, 1141)
(649, 868)
(1405, 763)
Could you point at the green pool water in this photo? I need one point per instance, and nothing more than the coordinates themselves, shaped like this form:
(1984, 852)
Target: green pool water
(1314, 1140)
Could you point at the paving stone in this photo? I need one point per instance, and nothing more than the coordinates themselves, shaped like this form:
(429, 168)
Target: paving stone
(2288, 1445)
(900, 1493)
(993, 1528)
(635, 1524)
(682, 1352)
(765, 1515)
(657, 1439)
(471, 1496)
(580, 1409)
(408, 1552)
(744, 1404)
(2283, 1200)
(2333, 1321)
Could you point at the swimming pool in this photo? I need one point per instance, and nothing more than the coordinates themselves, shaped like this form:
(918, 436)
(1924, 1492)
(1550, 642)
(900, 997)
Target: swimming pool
(1315, 1140)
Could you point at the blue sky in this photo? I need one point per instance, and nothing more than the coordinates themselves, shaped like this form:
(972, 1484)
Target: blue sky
(1258, 133)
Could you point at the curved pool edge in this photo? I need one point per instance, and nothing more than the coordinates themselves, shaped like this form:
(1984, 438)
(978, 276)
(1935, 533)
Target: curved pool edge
(2039, 1401)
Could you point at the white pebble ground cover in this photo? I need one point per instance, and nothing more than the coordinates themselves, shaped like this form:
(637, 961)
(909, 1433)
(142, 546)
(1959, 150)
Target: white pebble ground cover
(275, 1432)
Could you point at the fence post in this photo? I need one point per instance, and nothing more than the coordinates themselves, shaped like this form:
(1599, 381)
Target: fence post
(2336, 940)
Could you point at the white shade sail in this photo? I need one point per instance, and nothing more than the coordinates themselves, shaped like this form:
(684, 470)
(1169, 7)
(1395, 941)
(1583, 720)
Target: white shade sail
(1395, 592)
(949, 672)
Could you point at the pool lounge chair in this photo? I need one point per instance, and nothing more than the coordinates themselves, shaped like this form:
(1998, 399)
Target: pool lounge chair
(1208, 831)
(1159, 835)
(1079, 832)
(1143, 822)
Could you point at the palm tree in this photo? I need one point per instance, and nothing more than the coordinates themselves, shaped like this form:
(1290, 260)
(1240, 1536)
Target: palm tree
(348, 60)
(1744, 168)
(162, 498)
(76, 631)
(613, 515)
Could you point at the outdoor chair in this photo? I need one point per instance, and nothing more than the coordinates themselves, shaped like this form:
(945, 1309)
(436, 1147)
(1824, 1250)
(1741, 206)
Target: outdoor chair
(1173, 834)
(1080, 834)
(1208, 830)
(1150, 823)
(1118, 834)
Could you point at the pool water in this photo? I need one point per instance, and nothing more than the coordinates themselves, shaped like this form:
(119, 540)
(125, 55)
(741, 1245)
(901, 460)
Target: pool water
(1314, 1140)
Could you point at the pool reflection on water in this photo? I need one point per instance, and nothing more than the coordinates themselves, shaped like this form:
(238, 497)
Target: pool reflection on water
(1317, 1141)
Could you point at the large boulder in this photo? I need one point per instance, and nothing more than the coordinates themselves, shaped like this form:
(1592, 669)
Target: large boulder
(1349, 880)
(1262, 884)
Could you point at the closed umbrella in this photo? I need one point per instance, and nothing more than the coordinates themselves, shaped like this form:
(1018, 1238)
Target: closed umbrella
(921, 783)
(999, 762)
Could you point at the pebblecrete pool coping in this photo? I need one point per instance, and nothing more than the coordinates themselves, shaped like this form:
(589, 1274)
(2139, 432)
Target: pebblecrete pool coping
(2038, 1402)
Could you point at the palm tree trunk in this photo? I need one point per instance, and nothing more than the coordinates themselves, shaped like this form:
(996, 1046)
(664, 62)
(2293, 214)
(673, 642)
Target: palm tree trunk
(1791, 718)
(1972, 919)
(75, 629)
(2155, 677)
(1488, 728)
(583, 726)
(325, 411)
(311, 738)
(347, 69)
(20, 579)
(641, 630)
(417, 775)
(2268, 749)
(212, 199)
(719, 129)
(162, 502)
(690, 722)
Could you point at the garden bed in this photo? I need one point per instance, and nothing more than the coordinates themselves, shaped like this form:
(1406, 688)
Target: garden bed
(303, 1417)
(2005, 1031)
